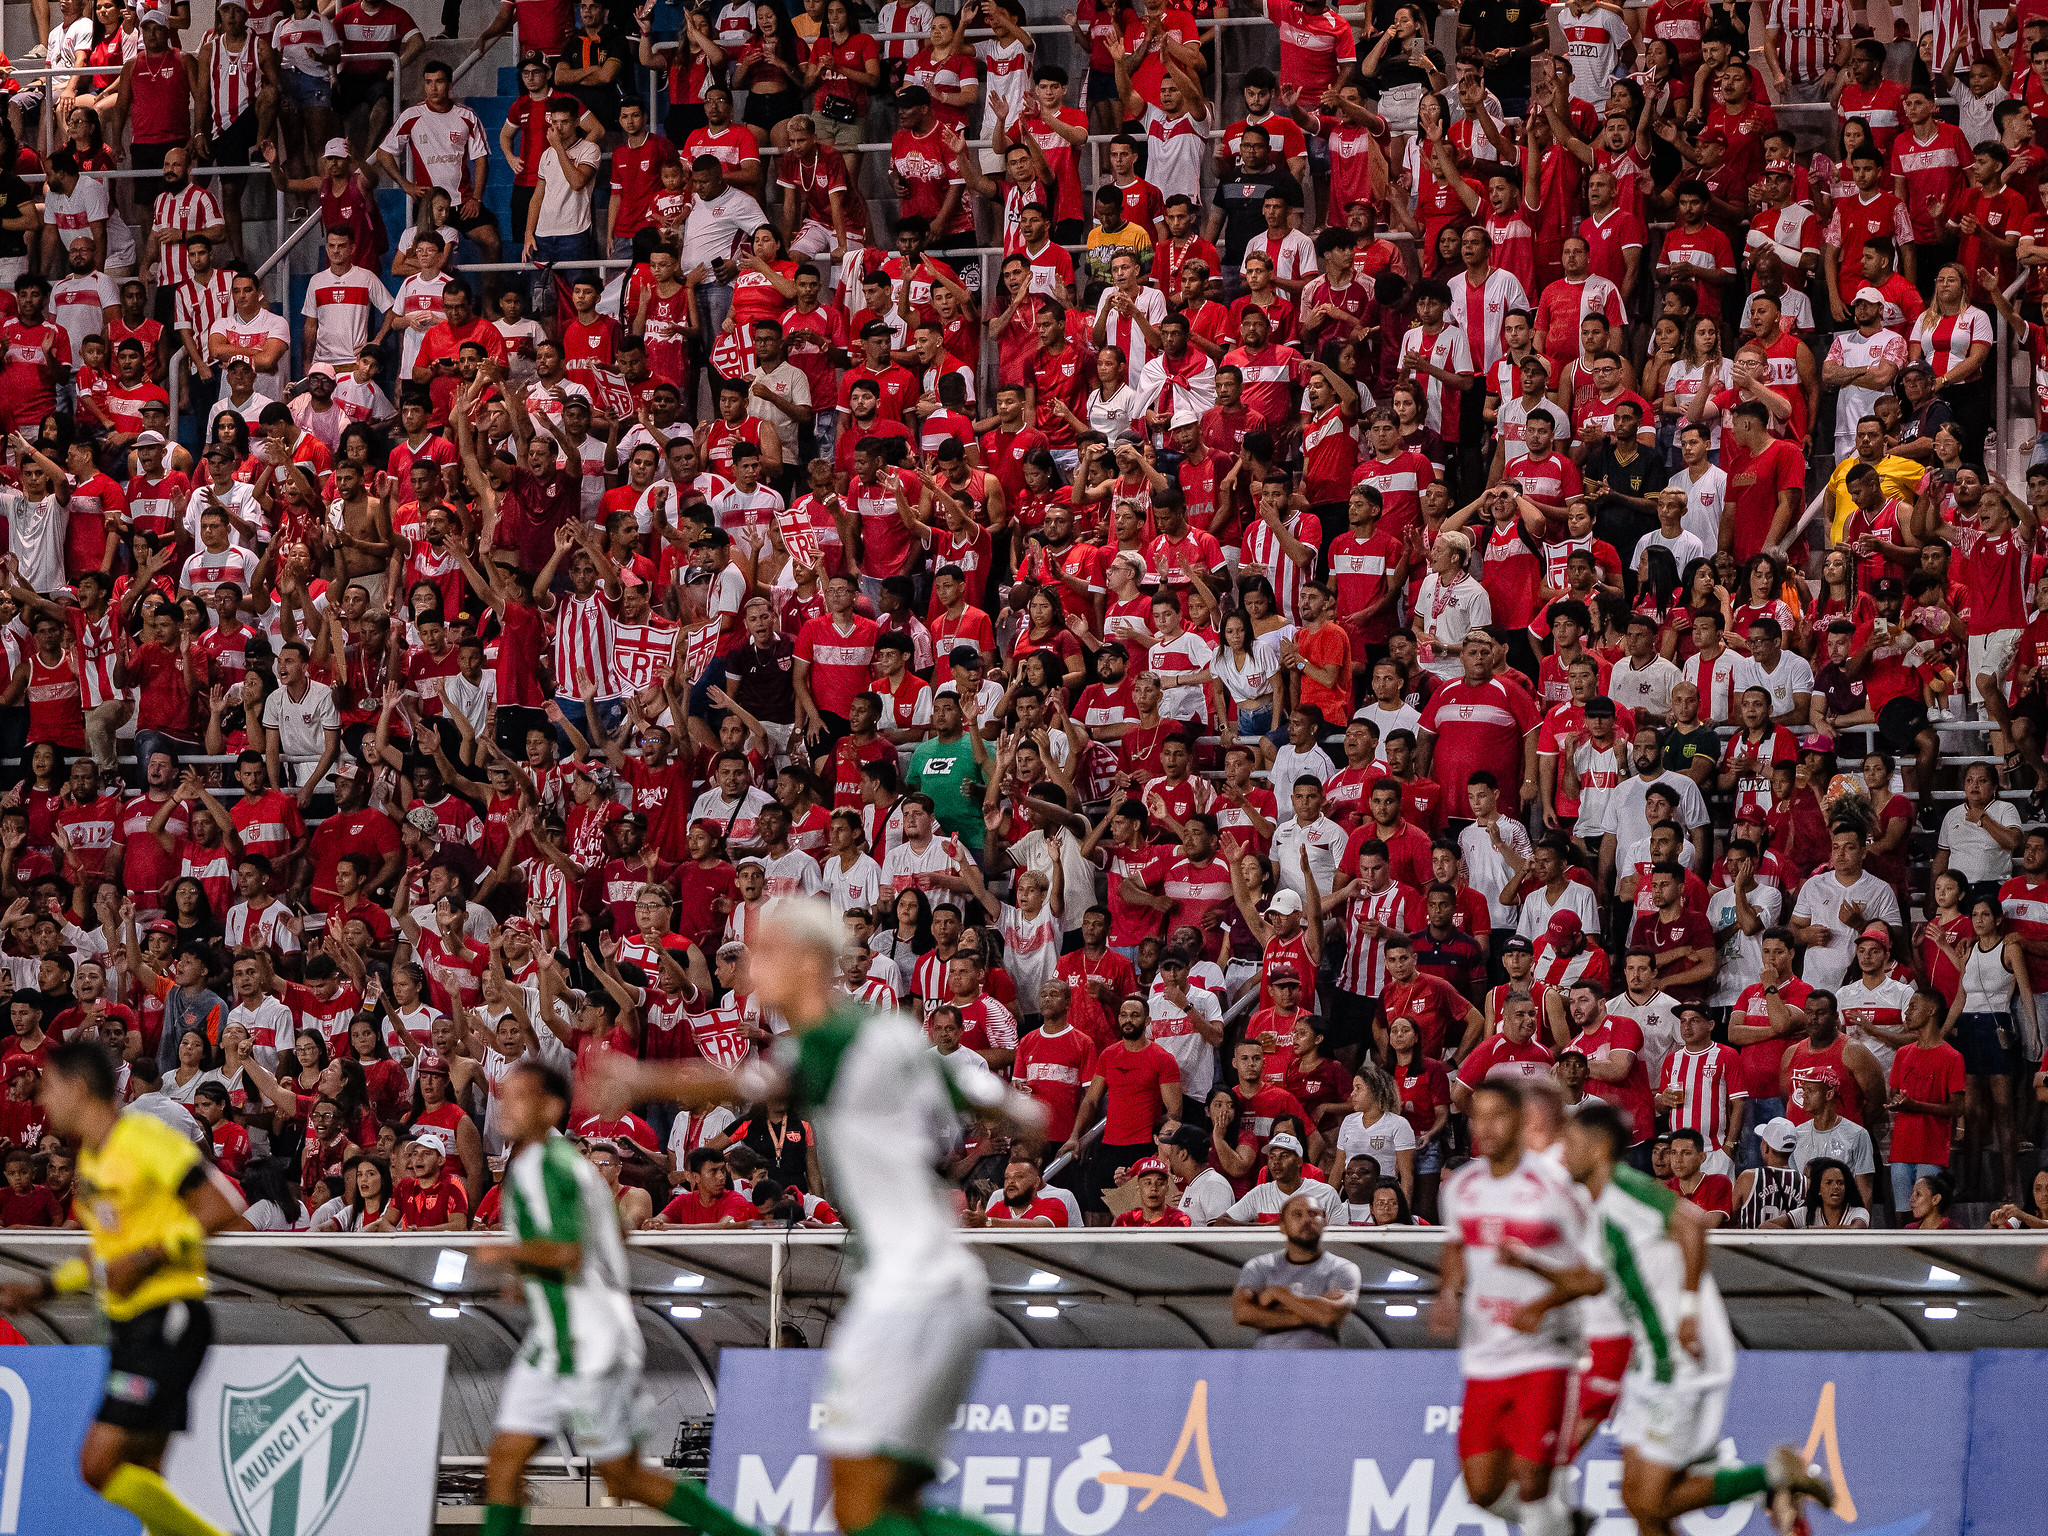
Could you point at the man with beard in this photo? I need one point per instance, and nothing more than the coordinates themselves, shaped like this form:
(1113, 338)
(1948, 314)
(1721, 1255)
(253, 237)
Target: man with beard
(1137, 1083)
(145, 868)
(181, 209)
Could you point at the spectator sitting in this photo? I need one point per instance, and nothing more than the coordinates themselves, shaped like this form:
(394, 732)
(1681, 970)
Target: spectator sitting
(25, 1203)
(1833, 1202)
(709, 1203)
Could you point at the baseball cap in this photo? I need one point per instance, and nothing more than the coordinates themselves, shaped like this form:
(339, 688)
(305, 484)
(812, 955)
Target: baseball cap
(1599, 709)
(1779, 1134)
(1285, 901)
(875, 328)
(1779, 168)
(964, 656)
(156, 13)
(336, 149)
(17, 1065)
(1517, 945)
(162, 925)
(1286, 976)
(1867, 295)
(1918, 367)
(439, 1137)
(519, 925)
(346, 767)
(420, 819)
(432, 1063)
(1564, 925)
(1145, 1165)
(154, 439)
(1285, 1143)
(1877, 933)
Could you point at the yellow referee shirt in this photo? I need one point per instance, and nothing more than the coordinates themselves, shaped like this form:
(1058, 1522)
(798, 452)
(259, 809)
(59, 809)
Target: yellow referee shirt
(128, 1199)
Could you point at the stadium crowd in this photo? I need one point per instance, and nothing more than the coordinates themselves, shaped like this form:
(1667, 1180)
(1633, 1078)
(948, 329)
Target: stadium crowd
(1343, 617)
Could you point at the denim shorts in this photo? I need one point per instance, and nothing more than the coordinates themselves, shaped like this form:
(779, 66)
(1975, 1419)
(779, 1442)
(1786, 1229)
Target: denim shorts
(1429, 1156)
(1986, 1042)
(1255, 722)
(304, 90)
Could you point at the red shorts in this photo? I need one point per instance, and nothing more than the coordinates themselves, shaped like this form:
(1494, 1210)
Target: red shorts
(1517, 1414)
(1595, 1389)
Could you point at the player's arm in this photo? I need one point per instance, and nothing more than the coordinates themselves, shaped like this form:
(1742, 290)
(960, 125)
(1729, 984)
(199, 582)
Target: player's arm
(1566, 1285)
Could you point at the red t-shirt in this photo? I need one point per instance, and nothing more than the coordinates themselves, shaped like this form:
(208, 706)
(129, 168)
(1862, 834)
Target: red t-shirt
(1132, 1080)
(419, 1206)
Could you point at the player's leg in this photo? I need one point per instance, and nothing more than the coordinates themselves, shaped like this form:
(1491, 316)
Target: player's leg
(1530, 1416)
(1483, 1453)
(124, 1466)
(504, 1482)
(682, 1501)
(152, 1361)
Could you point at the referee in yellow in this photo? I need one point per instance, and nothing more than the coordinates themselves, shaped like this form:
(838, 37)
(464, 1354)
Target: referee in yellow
(149, 1202)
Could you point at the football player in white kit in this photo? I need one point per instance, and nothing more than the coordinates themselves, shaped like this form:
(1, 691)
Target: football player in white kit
(1596, 1379)
(887, 1109)
(1649, 1248)
(1517, 1382)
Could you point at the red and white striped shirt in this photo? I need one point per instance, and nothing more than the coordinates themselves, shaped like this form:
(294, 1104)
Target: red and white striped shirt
(1263, 550)
(1364, 970)
(175, 215)
(232, 81)
(1944, 340)
(201, 306)
(1708, 1079)
(93, 645)
(586, 635)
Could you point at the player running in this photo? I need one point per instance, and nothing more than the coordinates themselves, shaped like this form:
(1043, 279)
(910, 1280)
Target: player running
(1516, 1380)
(1596, 1379)
(886, 1108)
(150, 1202)
(578, 1372)
(1649, 1247)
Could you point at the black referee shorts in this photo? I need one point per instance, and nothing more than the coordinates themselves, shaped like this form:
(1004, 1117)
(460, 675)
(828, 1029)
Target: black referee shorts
(152, 1361)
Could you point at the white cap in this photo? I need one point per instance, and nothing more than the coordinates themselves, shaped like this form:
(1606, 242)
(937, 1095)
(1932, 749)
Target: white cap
(1284, 901)
(439, 1137)
(337, 148)
(1185, 419)
(150, 440)
(1779, 1134)
(1867, 295)
(159, 14)
(1285, 1143)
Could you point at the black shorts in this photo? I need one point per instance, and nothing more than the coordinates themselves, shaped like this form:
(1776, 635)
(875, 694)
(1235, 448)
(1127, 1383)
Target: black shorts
(1350, 1020)
(364, 89)
(485, 219)
(237, 145)
(152, 1361)
(150, 157)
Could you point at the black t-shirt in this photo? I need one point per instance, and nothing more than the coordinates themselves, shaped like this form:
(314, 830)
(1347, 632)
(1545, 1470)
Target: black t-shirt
(1643, 476)
(583, 51)
(1505, 24)
(15, 196)
(763, 682)
(1244, 207)
(1683, 748)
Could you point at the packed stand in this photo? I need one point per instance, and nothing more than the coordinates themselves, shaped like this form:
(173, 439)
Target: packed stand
(1358, 601)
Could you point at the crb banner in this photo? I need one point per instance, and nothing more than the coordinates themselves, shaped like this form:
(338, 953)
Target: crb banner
(291, 1442)
(1244, 1443)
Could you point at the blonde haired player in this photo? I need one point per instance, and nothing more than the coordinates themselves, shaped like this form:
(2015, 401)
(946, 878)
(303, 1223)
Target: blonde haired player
(885, 1107)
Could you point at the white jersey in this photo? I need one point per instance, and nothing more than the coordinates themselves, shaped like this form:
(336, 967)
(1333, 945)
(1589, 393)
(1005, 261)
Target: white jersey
(582, 1324)
(1657, 1018)
(1535, 1206)
(882, 1102)
(1629, 1242)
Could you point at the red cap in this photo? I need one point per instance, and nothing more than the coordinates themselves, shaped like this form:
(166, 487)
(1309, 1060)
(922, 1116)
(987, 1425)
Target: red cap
(16, 1065)
(1145, 1165)
(1877, 933)
(1564, 925)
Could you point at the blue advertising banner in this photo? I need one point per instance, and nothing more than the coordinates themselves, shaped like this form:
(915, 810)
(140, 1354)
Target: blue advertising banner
(47, 1397)
(1242, 1443)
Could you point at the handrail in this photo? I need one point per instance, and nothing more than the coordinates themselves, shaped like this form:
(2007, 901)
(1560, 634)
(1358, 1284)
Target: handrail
(285, 246)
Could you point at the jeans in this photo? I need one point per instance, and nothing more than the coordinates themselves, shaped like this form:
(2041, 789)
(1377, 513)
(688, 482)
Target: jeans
(550, 250)
(714, 303)
(1904, 1177)
(1759, 1114)
(609, 713)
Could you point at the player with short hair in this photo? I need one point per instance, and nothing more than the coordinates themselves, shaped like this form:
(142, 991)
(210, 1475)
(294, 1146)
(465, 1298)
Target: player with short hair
(1649, 1247)
(884, 1105)
(154, 1202)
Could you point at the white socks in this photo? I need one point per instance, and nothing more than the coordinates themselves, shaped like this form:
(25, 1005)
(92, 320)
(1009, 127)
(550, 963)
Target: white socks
(1548, 1516)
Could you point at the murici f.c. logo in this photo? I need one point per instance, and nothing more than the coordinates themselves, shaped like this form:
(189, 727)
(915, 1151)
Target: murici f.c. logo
(1194, 1430)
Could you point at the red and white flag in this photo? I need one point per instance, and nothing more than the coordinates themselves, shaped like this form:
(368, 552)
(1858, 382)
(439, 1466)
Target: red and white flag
(799, 538)
(703, 646)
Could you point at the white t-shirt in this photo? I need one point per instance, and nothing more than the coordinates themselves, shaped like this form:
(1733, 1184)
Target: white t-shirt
(1399, 718)
(1742, 959)
(79, 304)
(1647, 687)
(1450, 613)
(265, 325)
(1685, 545)
(74, 213)
(1971, 852)
(1630, 823)
(1820, 903)
(1791, 676)
(1706, 497)
(1174, 1028)
(565, 210)
(1657, 1018)
(860, 886)
(300, 43)
(1380, 1141)
(1207, 1196)
(340, 305)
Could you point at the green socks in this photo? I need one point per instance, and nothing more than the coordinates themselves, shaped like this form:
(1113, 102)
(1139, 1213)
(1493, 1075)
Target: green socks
(146, 1496)
(690, 1505)
(1734, 1483)
(504, 1519)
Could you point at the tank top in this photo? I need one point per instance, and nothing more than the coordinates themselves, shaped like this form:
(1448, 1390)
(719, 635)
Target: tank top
(1987, 984)
(1776, 1192)
(232, 82)
(1829, 1062)
(351, 209)
(55, 711)
(163, 101)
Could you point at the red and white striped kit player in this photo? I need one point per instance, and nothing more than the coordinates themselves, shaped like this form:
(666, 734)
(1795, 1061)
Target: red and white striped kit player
(585, 634)
(1709, 1079)
(175, 215)
(1396, 909)
(1482, 310)
(1515, 1382)
(93, 645)
(233, 81)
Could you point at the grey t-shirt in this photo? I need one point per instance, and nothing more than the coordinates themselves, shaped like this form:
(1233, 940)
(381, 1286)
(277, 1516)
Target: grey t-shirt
(1326, 1274)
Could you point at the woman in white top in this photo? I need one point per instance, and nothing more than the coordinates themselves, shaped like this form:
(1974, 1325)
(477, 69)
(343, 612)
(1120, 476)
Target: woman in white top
(851, 878)
(1701, 363)
(1377, 1129)
(436, 213)
(1832, 1203)
(274, 1206)
(1952, 336)
(182, 1082)
(1449, 605)
(1249, 672)
(1112, 404)
(1994, 989)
